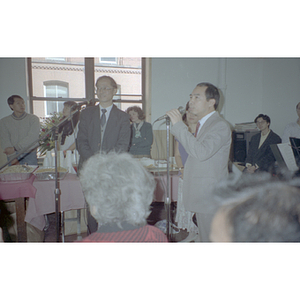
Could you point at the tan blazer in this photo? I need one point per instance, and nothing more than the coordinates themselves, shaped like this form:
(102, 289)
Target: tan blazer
(207, 162)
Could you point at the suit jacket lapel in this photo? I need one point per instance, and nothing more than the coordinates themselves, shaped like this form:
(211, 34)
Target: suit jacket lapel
(96, 124)
(110, 123)
(208, 122)
(266, 141)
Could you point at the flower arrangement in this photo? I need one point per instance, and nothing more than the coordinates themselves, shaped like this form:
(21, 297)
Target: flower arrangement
(47, 144)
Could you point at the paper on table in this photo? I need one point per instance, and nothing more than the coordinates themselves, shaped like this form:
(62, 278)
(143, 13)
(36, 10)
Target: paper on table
(288, 156)
(68, 162)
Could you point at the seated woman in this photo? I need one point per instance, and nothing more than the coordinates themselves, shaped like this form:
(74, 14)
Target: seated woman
(260, 157)
(70, 129)
(119, 191)
(141, 133)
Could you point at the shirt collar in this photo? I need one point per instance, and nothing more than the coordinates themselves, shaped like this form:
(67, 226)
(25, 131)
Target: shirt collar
(204, 119)
(108, 110)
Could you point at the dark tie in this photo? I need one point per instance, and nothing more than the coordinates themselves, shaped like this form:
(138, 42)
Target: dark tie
(103, 117)
(197, 127)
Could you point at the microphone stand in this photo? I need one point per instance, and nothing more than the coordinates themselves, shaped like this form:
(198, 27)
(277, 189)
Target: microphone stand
(57, 192)
(167, 199)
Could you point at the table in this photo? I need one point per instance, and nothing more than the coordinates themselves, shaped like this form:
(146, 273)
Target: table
(42, 198)
(43, 203)
(18, 191)
(161, 185)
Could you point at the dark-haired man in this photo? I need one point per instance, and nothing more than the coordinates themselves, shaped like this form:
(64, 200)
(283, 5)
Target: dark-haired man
(208, 154)
(260, 157)
(19, 131)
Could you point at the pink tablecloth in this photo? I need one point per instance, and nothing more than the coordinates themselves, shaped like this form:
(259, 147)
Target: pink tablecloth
(17, 189)
(42, 198)
(44, 202)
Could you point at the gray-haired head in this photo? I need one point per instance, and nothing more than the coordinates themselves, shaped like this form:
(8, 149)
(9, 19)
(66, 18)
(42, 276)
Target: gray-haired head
(260, 208)
(117, 188)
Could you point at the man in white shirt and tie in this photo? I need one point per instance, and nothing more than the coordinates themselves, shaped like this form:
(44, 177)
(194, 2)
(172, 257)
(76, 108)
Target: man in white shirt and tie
(102, 128)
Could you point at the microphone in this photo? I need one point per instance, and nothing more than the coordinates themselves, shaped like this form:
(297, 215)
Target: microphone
(181, 110)
(77, 105)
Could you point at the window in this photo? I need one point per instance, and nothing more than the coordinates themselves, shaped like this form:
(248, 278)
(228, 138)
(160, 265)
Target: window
(56, 58)
(108, 60)
(55, 89)
(51, 81)
(127, 72)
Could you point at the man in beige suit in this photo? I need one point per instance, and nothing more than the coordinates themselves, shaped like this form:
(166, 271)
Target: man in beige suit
(208, 154)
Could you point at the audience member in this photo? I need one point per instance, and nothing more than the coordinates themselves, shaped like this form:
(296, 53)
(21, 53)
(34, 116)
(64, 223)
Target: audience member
(141, 133)
(6, 221)
(119, 191)
(184, 217)
(70, 128)
(208, 154)
(292, 129)
(257, 208)
(260, 157)
(19, 131)
(102, 128)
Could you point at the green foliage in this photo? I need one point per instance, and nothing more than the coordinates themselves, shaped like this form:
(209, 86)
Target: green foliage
(47, 144)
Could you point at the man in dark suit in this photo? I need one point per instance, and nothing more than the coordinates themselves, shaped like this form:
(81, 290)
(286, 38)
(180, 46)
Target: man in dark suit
(102, 128)
(260, 157)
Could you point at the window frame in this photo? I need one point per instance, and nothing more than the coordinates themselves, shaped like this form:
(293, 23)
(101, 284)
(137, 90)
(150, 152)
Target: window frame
(89, 69)
(55, 83)
(108, 62)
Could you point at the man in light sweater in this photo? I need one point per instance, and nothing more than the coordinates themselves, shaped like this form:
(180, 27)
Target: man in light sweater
(19, 131)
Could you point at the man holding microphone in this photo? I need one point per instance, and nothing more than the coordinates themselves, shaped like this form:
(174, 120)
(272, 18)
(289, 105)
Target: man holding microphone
(208, 154)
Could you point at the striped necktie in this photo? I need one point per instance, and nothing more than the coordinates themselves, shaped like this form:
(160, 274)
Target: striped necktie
(103, 117)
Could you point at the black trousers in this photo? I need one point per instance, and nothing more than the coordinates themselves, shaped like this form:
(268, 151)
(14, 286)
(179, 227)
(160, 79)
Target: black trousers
(92, 224)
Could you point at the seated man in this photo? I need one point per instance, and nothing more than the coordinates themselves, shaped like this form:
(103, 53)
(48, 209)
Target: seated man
(19, 131)
(260, 157)
(119, 191)
(258, 209)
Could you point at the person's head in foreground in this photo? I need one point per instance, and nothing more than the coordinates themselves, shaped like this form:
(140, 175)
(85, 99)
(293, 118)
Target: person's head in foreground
(119, 191)
(259, 209)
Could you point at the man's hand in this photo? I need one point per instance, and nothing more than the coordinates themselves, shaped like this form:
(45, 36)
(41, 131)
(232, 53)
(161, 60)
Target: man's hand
(15, 162)
(9, 150)
(175, 116)
(182, 170)
(250, 169)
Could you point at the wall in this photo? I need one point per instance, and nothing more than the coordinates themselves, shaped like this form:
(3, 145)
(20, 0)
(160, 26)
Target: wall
(282, 77)
(249, 86)
(173, 79)
(13, 76)
(12, 81)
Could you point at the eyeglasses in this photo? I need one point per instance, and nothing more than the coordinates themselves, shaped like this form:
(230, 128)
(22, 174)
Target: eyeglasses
(260, 122)
(105, 89)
